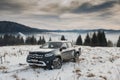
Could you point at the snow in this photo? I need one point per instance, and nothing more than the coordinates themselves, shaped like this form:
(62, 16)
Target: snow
(95, 63)
(22, 35)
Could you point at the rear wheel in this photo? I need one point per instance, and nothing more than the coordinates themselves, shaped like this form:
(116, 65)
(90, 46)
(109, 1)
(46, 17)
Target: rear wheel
(76, 57)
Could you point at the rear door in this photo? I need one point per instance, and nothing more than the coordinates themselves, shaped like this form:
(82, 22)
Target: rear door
(71, 50)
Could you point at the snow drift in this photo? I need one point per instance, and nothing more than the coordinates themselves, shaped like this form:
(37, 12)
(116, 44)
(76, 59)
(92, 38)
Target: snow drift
(95, 63)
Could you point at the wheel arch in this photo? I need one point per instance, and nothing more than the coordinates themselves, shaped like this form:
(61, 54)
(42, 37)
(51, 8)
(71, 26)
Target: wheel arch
(58, 56)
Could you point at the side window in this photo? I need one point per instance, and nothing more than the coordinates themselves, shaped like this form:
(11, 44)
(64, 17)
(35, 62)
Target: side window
(64, 45)
(69, 44)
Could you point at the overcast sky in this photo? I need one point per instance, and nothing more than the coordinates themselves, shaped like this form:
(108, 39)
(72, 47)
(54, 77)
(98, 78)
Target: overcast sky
(62, 14)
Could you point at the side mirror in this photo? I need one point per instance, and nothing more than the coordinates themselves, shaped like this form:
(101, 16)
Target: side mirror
(62, 48)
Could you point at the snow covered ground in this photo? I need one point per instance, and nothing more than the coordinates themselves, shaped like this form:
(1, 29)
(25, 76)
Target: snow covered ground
(95, 63)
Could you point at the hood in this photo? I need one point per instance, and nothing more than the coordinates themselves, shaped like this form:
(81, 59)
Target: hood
(43, 50)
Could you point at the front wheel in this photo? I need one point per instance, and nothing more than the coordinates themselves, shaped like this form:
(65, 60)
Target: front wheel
(56, 64)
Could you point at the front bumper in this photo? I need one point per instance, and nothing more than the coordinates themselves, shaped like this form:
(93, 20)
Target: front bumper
(40, 61)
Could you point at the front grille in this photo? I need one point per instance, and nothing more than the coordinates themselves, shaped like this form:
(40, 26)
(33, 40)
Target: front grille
(37, 56)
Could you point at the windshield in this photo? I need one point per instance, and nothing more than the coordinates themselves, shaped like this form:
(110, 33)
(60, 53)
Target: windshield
(52, 45)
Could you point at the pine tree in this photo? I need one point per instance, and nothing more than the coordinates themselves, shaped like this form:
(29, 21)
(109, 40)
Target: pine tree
(101, 38)
(17, 40)
(28, 41)
(109, 43)
(6, 39)
(104, 39)
(33, 40)
(43, 40)
(12, 40)
(50, 39)
(1, 41)
(118, 42)
(40, 40)
(79, 40)
(63, 37)
(21, 40)
(87, 41)
(94, 40)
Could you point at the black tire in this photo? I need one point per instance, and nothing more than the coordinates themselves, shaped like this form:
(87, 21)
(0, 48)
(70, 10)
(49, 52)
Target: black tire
(76, 57)
(56, 63)
(32, 66)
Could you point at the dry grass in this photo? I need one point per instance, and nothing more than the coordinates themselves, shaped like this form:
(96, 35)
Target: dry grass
(113, 58)
(78, 75)
(16, 77)
(90, 75)
(103, 77)
(3, 68)
(94, 57)
(38, 72)
(23, 79)
(109, 72)
(81, 59)
(77, 70)
(21, 64)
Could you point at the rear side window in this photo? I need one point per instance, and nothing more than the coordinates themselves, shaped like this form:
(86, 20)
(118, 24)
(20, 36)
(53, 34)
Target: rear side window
(69, 44)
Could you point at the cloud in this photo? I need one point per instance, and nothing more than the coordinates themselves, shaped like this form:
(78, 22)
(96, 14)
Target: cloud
(55, 6)
(17, 6)
(10, 7)
(88, 7)
(59, 14)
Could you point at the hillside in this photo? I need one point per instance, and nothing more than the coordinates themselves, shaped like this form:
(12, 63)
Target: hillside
(13, 27)
(95, 63)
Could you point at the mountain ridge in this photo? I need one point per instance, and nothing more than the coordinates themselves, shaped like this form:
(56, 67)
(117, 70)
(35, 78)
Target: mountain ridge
(13, 27)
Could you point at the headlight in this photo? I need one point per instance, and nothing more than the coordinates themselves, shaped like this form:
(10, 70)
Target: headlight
(48, 55)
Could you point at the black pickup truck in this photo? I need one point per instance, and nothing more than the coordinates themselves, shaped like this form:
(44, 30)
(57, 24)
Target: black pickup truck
(52, 54)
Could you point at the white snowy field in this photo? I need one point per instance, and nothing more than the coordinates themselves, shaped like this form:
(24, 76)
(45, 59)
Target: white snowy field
(95, 63)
